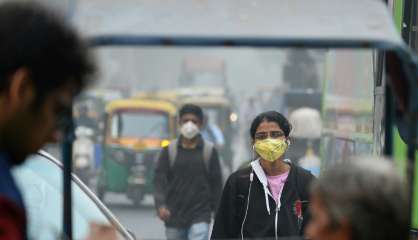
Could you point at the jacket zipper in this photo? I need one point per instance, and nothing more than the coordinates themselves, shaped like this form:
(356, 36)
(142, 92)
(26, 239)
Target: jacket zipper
(277, 219)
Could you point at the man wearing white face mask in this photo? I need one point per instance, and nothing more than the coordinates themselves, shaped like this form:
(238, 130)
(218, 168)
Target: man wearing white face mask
(188, 180)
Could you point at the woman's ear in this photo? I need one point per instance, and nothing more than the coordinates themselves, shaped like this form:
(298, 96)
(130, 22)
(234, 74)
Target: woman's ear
(288, 141)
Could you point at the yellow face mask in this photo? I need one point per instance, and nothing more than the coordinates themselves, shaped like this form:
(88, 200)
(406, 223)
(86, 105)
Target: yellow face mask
(270, 149)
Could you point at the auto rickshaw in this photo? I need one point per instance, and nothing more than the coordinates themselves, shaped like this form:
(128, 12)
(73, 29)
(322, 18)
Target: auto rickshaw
(129, 152)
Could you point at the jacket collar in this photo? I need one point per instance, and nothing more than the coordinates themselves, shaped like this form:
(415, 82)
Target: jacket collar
(259, 171)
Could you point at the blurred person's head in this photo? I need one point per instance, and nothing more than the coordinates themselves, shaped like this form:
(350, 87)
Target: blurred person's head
(43, 65)
(191, 120)
(269, 132)
(360, 199)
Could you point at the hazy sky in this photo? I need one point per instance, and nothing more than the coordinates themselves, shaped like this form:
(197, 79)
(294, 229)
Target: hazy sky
(142, 69)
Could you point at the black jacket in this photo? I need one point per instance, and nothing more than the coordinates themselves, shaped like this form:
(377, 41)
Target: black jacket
(259, 223)
(188, 188)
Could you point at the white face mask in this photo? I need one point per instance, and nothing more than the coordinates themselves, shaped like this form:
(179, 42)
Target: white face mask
(189, 130)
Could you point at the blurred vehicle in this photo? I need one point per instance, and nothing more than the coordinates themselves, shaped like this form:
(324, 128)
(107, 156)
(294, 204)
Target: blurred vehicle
(129, 151)
(83, 154)
(96, 100)
(203, 71)
(89, 111)
(297, 98)
(86, 116)
(302, 82)
(305, 138)
(347, 111)
(40, 180)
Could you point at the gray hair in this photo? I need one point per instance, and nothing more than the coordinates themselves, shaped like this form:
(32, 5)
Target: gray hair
(369, 194)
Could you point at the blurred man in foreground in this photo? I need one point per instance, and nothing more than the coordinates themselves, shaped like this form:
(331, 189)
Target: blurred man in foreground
(362, 199)
(43, 65)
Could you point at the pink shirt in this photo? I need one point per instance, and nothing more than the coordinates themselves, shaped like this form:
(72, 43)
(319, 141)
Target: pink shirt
(276, 184)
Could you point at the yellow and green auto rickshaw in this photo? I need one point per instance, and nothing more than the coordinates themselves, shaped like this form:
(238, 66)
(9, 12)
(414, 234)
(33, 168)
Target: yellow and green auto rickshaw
(135, 131)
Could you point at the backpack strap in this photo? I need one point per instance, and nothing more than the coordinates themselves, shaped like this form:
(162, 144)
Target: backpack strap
(207, 152)
(172, 151)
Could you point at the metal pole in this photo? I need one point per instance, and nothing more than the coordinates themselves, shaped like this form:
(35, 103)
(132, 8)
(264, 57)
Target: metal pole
(406, 21)
(388, 147)
(67, 152)
(413, 26)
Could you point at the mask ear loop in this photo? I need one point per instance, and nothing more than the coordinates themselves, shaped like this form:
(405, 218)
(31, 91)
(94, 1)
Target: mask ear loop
(288, 142)
(254, 153)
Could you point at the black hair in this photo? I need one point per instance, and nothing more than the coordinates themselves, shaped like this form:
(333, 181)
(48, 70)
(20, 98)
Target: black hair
(33, 37)
(193, 109)
(271, 116)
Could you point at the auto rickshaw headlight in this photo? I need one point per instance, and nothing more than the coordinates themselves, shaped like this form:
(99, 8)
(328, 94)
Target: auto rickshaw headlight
(165, 143)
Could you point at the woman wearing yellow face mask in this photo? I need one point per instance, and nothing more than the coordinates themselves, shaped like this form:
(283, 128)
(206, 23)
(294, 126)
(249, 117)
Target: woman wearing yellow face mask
(268, 199)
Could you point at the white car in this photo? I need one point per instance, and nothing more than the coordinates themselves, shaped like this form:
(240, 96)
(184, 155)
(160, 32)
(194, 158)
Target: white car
(40, 181)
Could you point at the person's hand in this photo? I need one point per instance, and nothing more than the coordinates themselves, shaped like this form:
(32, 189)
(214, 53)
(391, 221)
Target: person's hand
(102, 232)
(164, 213)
